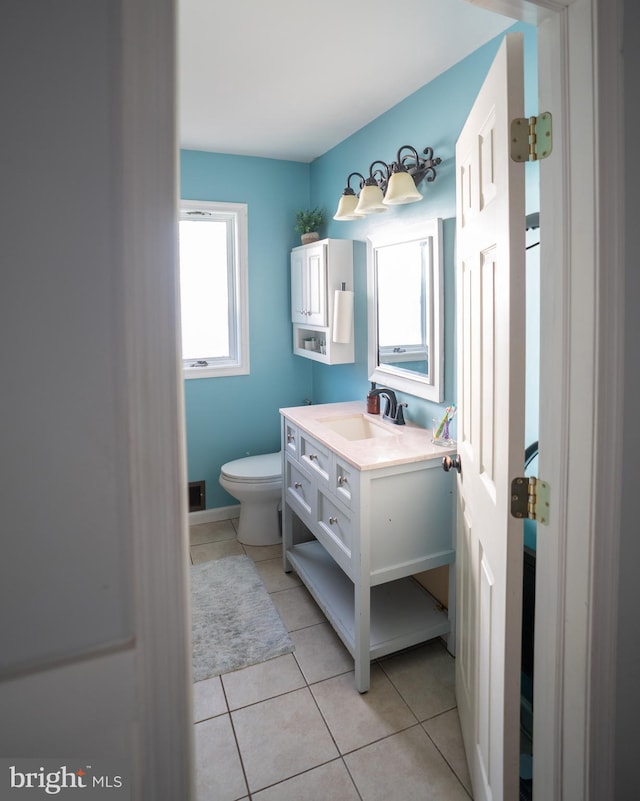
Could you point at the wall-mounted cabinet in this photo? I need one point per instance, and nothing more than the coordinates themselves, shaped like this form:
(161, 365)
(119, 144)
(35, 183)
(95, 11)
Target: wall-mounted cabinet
(318, 270)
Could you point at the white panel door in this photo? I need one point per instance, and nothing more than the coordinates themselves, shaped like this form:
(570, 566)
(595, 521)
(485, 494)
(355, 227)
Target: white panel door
(491, 348)
(309, 285)
(316, 280)
(298, 287)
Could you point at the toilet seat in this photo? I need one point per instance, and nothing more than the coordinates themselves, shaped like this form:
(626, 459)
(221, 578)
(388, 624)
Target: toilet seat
(254, 469)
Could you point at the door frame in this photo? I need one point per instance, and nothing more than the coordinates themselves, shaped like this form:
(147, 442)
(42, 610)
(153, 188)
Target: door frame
(162, 738)
(581, 357)
(582, 234)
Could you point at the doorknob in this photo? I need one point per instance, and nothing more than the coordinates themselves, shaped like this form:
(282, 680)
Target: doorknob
(452, 462)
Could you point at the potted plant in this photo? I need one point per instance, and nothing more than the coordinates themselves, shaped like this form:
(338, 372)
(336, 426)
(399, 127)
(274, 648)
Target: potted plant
(308, 221)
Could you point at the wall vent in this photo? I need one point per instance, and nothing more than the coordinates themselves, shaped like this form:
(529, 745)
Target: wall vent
(197, 500)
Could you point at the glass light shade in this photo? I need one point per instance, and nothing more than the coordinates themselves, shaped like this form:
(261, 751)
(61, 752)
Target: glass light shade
(347, 208)
(401, 189)
(370, 201)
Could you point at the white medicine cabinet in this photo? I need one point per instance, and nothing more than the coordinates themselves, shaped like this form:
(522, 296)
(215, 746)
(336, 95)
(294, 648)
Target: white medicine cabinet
(406, 309)
(318, 271)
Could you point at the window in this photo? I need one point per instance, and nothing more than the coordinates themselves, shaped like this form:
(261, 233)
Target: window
(213, 288)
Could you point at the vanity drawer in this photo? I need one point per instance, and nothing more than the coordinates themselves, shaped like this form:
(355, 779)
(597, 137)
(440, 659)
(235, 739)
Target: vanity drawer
(345, 482)
(318, 458)
(300, 490)
(334, 531)
(291, 438)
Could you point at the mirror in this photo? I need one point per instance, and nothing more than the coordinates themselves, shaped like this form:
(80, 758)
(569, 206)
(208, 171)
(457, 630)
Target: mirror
(405, 309)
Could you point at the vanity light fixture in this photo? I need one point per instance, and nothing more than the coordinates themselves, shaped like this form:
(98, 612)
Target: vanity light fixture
(388, 184)
(348, 201)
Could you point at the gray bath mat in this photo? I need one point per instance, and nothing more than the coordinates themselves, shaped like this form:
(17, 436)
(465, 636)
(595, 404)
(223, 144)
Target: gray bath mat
(234, 622)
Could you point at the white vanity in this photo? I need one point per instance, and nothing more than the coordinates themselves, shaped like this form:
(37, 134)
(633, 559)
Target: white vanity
(380, 508)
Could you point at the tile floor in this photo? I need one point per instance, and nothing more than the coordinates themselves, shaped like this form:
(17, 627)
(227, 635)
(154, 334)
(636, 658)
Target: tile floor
(295, 727)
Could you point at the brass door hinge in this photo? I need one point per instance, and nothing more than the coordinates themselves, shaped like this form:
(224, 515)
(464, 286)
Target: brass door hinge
(530, 499)
(532, 138)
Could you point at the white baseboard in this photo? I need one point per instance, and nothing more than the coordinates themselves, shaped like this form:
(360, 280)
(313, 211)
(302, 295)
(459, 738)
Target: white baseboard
(214, 515)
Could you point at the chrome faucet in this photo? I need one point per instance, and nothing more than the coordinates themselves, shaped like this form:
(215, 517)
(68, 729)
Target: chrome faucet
(392, 409)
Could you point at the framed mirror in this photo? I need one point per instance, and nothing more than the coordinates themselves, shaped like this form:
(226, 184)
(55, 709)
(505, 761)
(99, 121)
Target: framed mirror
(405, 309)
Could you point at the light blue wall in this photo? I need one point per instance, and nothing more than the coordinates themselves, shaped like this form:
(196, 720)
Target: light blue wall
(433, 116)
(227, 418)
(230, 417)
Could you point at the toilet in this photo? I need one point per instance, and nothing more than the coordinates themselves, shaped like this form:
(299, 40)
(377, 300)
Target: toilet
(256, 481)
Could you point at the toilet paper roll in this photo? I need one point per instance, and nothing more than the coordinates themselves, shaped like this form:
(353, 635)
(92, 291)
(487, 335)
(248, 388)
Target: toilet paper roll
(342, 316)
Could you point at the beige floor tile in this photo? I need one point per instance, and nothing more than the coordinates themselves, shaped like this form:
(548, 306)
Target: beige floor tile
(208, 699)
(445, 732)
(211, 532)
(297, 608)
(274, 577)
(215, 550)
(404, 766)
(282, 737)
(259, 682)
(320, 653)
(329, 782)
(356, 719)
(219, 775)
(261, 552)
(425, 677)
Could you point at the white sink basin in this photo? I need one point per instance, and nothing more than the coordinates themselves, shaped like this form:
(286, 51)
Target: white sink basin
(355, 427)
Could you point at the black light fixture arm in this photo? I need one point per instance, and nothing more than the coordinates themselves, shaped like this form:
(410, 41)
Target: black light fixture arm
(348, 190)
(380, 176)
(420, 168)
(401, 161)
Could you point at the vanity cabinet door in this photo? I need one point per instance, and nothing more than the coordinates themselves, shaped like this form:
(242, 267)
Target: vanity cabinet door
(291, 436)
(335, 531)
(300, 491)
(318, 458)
(345, 482)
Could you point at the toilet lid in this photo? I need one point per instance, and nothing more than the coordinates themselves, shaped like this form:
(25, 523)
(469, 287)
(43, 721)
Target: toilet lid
(266, 467)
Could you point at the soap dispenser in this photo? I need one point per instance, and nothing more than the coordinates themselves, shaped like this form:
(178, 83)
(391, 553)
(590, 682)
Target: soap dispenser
(373, 401)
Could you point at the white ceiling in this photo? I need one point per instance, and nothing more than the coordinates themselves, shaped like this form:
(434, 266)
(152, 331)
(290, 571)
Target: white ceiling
(289, 79)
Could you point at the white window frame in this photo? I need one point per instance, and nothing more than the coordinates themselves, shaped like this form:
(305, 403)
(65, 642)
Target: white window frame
(237, 215)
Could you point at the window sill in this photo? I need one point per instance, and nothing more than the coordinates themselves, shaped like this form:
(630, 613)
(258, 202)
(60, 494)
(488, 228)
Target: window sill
(215, 371)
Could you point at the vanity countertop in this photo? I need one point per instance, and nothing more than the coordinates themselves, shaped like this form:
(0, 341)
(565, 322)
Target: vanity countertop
(407, 443)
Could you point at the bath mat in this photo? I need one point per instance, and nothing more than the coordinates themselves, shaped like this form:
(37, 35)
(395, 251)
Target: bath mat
(234, 622)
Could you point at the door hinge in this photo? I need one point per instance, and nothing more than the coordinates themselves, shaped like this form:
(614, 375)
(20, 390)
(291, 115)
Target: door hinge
(531, 139)
(530, 499)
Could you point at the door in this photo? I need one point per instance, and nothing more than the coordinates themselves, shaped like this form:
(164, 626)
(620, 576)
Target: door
(316, 282)
(491, 336)
(298, 287)
(309, 285)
